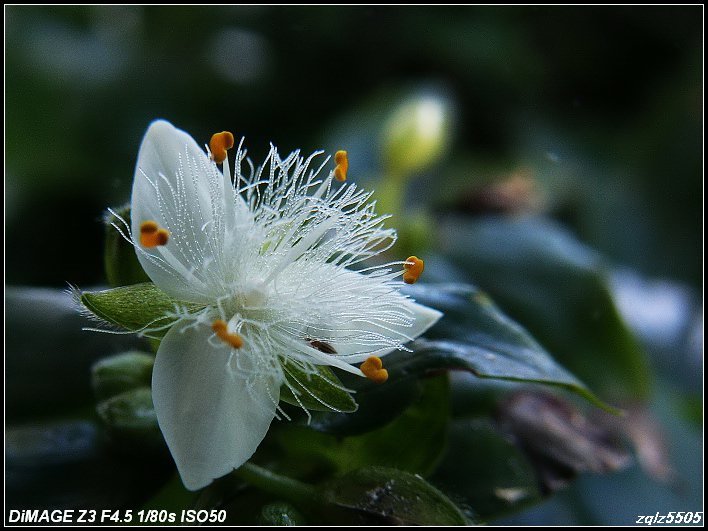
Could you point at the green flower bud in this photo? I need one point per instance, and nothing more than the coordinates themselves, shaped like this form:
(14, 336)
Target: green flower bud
(130, 419)
(416, 134)
(122, 372)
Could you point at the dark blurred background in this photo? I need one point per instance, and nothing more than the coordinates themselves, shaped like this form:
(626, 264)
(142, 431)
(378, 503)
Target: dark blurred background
(602, 104)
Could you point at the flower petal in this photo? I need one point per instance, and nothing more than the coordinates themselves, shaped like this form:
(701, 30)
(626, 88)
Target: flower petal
(179, 188)
(358, 314)
(213, 418)
(423, 318)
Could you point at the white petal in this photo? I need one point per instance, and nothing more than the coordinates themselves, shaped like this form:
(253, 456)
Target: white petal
(177, 186)
(358, 314)
(213, 420)
(424, 317)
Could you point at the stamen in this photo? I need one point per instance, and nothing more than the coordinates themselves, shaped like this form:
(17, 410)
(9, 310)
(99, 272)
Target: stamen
(373, 370)
(219, 144)
(151, 235)
(342, 162)
(220, 329)
(413, 268)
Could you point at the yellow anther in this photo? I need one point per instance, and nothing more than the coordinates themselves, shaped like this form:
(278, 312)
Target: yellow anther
(373, 370)
(413, 268)
(219, 327)
(219, 144)
(151, 235)
(342, 162)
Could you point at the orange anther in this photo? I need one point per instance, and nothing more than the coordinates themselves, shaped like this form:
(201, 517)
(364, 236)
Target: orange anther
(148, 227)
(220, 329)
(219, 144)
(342, 162)
(413, 268)
(373, 370)
(151, 235)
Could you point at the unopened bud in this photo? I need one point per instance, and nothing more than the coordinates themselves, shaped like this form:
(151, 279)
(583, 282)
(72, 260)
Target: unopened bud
(122, 372)
(416, 134)
(131, 421)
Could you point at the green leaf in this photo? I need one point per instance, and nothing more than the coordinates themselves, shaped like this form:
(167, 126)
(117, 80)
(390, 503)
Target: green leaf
(136, 307)
(321, 391)
(557, 288)
(280, 513)
(389, 496)
(485, 470)
(119, 258)
(425, 422)
(483, 341)
(378, 405)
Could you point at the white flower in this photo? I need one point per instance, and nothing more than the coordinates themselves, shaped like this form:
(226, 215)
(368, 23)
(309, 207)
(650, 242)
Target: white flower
(268, 253)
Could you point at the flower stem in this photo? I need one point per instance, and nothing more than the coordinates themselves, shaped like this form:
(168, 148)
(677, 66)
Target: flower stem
(282, 486)
(390, 193)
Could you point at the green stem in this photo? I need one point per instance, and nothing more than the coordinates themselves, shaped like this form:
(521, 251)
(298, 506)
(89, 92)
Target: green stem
(281, 486)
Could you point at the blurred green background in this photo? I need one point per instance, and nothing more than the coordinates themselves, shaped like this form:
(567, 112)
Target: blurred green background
(602, 102)
(587, 116)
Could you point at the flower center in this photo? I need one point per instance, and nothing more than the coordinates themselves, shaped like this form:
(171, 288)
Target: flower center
(254, 296)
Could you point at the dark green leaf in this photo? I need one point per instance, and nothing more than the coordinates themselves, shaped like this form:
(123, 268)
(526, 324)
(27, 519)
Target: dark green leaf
(386, 495)
(136, 307)
(424, 422)
(280, 513)
(471, 396)
(119, 259)
(483, 341)
(556, 287)
(378, 405)
(484, 470)
(321, 391)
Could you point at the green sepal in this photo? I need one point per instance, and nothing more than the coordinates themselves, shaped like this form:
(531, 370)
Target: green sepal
(136, 308)
(320, 391)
